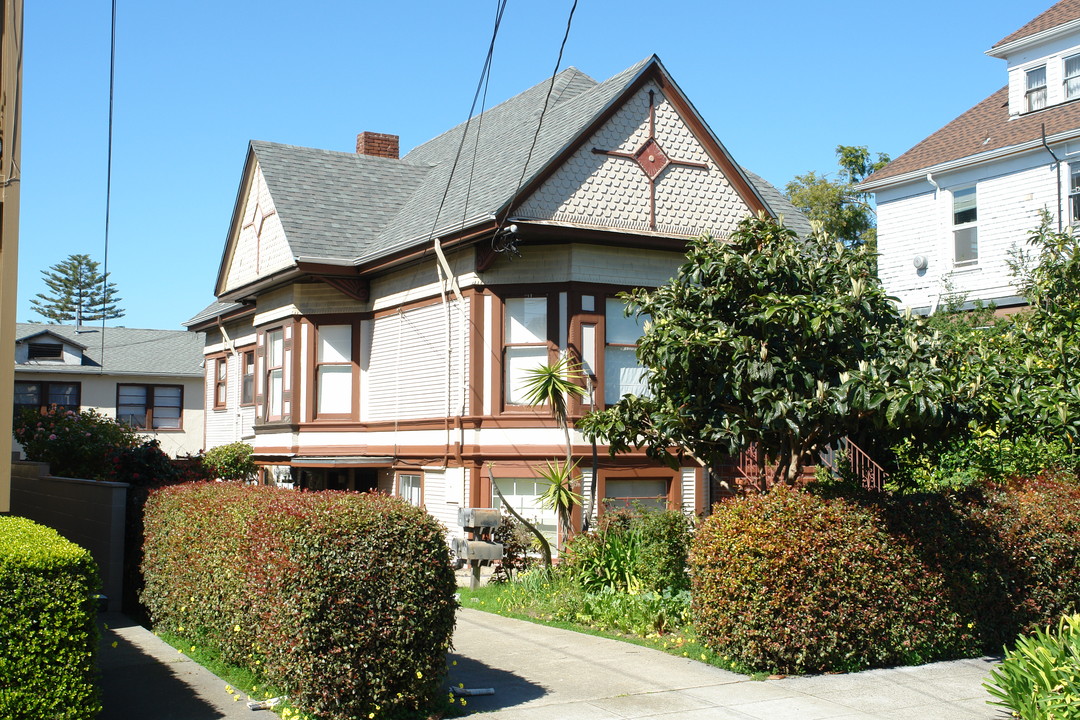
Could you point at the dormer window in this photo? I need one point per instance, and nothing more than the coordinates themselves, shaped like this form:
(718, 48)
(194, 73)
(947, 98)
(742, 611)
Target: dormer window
(1072, 77)
(1036, 88)
(45, 351)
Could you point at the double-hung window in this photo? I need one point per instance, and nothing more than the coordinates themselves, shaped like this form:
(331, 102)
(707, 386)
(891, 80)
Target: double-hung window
(523, 494)
(965, 228)
(623, 375)
(1072, 77)
(1035, 90)
(334, 370)
(525, 344)
(42, 395)
(275, 373)
(221, 382)
(150, 407)
(247, 377)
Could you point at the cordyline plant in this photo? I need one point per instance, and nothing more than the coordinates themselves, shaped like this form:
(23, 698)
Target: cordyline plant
(767, 338)
(552, 385)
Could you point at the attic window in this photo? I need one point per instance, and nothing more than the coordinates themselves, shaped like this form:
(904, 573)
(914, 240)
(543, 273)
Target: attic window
(45, 351)
(1036, 88)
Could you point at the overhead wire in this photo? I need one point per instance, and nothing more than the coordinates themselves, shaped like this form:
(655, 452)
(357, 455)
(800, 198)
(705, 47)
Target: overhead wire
(108, 186)
(484, 74)
(539, 125)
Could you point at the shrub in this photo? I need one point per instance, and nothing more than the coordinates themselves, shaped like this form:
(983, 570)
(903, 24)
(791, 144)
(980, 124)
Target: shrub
(74, 444)
(516, 541)
(791, 582)
(1040, 677)
(344, 601)
(632, 551)
(231, 462)
(47, 632)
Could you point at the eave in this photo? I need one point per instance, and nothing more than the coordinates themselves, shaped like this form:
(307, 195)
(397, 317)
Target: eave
(1006, 49)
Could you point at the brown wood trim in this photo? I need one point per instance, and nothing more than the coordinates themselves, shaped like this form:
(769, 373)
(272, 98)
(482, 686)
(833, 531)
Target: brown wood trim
(354, 321)
(450, 241)
(477, 391)
(674, 480)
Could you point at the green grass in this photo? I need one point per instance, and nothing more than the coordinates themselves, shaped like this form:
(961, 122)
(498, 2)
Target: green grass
(545, 600)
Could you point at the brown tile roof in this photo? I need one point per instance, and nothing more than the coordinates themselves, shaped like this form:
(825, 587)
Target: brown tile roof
(1062, 12)
(981, 129)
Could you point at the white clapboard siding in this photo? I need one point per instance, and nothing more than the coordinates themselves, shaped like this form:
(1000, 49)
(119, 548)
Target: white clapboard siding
(407, 372)
(689, 490)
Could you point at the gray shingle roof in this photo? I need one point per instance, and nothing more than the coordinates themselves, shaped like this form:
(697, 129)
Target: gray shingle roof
(337, 205)
(212, 311)
(128, 351)
(793, 217)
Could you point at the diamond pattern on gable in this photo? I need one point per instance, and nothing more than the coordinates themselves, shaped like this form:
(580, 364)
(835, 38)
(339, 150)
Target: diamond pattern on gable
(261, 247)
(643, 169)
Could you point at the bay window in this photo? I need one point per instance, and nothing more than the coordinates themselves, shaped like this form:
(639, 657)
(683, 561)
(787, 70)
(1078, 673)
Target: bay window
(275, 373)
(334, 370)
(525, 344)
(247, 378)
(623, 375)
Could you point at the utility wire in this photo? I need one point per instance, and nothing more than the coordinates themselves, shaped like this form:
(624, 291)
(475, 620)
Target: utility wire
(539, 124)
(484, 73)
(108, 186)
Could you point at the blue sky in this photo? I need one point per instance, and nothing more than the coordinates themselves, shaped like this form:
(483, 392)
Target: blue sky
(780, 83)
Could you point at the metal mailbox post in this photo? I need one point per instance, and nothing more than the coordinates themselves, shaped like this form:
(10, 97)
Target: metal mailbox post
(479, 549)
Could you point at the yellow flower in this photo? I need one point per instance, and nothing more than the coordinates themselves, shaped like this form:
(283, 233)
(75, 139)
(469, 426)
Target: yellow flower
(461, 685)
(192, 648)
(181, 651)
(229, 689)
(371, 715)
(463, 703)
(454, 662)
(702, 656)
(180, 629)
(114, 643)
(419, 674)
(236, 698)
(236, 628)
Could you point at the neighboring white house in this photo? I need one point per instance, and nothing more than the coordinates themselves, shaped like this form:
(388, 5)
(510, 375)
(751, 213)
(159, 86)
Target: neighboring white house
(951, 208)
(151, 379)
(374, 318)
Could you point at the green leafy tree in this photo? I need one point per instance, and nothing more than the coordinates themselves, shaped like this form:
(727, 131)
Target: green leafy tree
(77, 291)
(771, 339)
(843, 212)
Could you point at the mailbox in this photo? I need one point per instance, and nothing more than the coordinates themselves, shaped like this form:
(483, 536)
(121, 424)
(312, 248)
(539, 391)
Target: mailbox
(483, 550)
(479, 549)
(477, 519)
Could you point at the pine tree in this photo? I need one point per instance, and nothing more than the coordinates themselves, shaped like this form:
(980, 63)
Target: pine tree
(78, 291)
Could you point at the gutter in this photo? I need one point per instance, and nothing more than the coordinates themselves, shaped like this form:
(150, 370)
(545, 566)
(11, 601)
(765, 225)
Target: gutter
(1057, 170)
(967, 160)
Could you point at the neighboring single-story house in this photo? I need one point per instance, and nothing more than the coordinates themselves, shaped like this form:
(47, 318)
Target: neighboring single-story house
(150, 379)
(375, 315)
(953, 208)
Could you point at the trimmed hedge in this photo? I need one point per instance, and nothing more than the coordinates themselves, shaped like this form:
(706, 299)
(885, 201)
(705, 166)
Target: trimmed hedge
(48, 636)
(794, 583)
(343, 601)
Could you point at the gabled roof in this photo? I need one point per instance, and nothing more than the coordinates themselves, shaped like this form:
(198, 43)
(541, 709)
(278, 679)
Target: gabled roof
(128, 351)
(21, 337)
(1059, 14)
(348, 208)
(982, 133)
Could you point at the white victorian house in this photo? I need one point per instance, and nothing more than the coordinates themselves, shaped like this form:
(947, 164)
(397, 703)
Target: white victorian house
(951, 208)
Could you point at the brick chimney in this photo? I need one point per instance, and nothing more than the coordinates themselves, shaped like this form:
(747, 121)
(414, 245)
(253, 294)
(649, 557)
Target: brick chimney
(377, 145)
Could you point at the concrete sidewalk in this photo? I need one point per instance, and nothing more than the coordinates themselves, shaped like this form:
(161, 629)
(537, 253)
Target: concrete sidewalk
(542, 673)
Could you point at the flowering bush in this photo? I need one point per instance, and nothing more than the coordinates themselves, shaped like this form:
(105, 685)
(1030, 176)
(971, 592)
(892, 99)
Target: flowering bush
(74, 444)
(345, 601)
(231, 462)
(791, 582)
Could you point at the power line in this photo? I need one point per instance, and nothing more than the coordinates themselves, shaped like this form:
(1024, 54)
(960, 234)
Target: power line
(108, 185)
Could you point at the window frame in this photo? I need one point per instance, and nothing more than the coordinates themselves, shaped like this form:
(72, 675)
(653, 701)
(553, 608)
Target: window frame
(604, 400)
(55, 351)
(551, 347)
(267, 375)
(399, 486)
(44, 394)
(221, 383)
(968, 225)
(1065, 77)
(149, 406)
(247, 359)
(317, 364)
(1038, 91)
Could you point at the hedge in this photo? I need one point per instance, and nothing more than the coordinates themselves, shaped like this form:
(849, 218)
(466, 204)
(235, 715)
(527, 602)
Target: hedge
(791, 582)
(343, 601)
(794, 582)
(48, 635)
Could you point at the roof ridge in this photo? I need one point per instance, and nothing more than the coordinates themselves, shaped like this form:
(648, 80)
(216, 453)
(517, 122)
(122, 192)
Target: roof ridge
(1057, 14)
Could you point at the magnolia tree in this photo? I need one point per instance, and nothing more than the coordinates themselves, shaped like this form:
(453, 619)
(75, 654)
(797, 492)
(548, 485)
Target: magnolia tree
(770, 339)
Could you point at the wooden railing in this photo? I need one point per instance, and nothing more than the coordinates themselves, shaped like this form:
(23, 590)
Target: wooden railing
(845, 457)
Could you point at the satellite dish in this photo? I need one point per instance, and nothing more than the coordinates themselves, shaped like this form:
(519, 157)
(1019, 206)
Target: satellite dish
(920, 262)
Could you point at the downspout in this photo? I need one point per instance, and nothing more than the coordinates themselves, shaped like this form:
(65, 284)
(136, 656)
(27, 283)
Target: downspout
(1057, 171)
